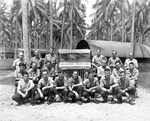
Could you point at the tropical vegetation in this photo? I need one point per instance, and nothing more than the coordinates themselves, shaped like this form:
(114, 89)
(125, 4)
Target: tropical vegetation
(61, 23)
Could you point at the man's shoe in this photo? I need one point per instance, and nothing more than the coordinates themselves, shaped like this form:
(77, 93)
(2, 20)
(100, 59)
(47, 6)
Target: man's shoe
(112, 101)
(136, 95)
(79, 102)
(33, 104)
(104, 100)
(84, 99)
(131, 102)
(48, 103)
(65, 100)
(96, 101)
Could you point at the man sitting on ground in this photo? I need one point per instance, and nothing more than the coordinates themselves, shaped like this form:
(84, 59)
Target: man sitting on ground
(45, 88)
(34, 73)
(129, 60)
(19, 74)
(75, 88)
(116, 71)
(19, 60)
(108, 83)
(50, 70)
(60, 85)
(91, 88)
(101, 68)
(36, 59)
(24, 90)
(132, 72)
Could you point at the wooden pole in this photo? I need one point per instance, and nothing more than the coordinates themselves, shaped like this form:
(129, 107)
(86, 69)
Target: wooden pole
(25, 30)
(71, 22)
(132, 33)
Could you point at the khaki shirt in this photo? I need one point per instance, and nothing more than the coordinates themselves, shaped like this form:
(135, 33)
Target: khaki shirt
(18, 74)
(23, 87)
(36, 60)
(100, 71)
(88, 84)
(60, 83)
(128, 61)
(133, 74)
(116, 73)
(106, 83)
(17, 62)
(43, 83)
(72, 81)
(126, 83)
(33, 73)
(98, 60)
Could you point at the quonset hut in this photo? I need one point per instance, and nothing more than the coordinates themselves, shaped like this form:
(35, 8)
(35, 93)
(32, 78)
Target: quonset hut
(141, 51)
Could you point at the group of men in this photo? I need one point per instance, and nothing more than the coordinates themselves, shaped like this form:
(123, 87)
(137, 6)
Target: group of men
(40, 83)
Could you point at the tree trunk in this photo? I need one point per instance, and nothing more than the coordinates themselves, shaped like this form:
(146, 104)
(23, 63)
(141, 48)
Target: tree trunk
(111, 30)
(132, 33)
(123, 21)
(71, 22)
(63, 22)
(16, 36)
(51, 23)
(25, 31)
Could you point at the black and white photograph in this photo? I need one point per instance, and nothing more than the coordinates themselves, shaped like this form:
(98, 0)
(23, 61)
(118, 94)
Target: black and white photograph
(74, 60)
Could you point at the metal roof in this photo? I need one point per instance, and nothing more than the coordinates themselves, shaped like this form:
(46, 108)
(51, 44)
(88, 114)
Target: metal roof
(122, 48)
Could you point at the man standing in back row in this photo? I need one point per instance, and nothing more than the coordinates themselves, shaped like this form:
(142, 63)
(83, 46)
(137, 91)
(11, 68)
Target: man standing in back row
(129, 60)
(18, 61)
(112, 60)
(36, 59)
(97, 59)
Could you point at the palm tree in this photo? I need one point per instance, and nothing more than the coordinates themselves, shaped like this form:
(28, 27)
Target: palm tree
(51, 23)
(25, 30)
(75, 25)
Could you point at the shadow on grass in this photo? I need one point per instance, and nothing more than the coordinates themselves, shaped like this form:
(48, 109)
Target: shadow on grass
(7, 81)
(144, 79)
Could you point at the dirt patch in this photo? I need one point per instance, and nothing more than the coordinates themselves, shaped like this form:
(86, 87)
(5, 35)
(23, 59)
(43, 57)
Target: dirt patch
(72, 112)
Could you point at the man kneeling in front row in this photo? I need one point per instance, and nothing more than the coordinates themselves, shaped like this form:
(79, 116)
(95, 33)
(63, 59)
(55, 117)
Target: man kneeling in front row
(126, 88)
(61, 89)
(45, 88)
(75, 88)
(108, 84)
(91, 88)
(24, 90)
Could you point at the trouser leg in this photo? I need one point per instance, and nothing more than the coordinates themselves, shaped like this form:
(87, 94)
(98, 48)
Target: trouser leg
(33, 93)
(119, 96)
(85, 94)
(95, 92)
(131, 91)
(18, 98)
(49, 93)
(37, 97)
(104, 95)
(72, 96)
(65, 93)
(79, 91)
(16, 85)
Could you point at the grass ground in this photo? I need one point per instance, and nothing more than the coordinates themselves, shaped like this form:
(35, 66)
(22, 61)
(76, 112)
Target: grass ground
(71, 111)
(144, 78)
